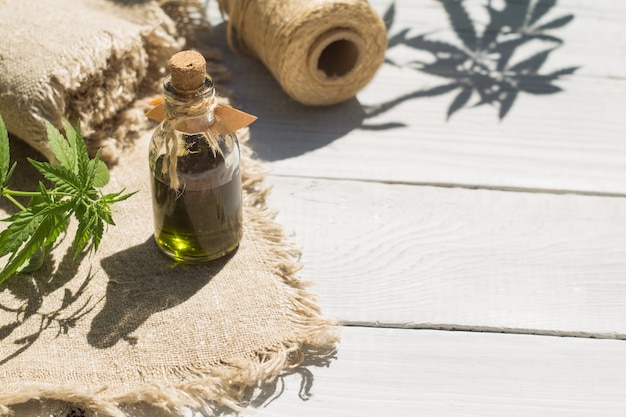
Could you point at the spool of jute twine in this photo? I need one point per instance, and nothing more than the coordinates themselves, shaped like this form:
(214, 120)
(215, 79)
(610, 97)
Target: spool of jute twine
(320, 51)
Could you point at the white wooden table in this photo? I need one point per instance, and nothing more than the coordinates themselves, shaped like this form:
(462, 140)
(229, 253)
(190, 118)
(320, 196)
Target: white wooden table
(477, 263)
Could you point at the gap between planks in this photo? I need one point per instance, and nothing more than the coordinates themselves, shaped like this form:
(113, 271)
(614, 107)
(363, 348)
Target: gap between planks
(409, 256)
(482, 329)
(554, 191)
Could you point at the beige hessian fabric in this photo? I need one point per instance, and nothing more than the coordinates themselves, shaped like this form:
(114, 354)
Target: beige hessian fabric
(128, 325)
(80, 59)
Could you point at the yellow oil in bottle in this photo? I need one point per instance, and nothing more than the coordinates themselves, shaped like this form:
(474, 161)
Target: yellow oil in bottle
(202, 219)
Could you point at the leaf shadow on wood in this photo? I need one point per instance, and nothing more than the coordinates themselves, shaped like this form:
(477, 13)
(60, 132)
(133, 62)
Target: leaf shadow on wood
(484, 62)
(482, 67)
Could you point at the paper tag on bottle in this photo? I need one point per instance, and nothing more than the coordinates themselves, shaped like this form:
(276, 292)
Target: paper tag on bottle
(235, 119)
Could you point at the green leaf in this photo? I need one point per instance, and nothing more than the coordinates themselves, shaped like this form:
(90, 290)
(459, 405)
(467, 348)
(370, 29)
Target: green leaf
(23, 225)
(104, 212)
(5, 155)
(98, 233)
(97, 172)
(117, 197)
(54, 227)
(71, 134)
(33, 231)
(60, 219)
(58, 175)
(34, 263)
(62, 149)
(9, 174)
(87, 222)
(83, 157)
(29, 248)
(101, 177)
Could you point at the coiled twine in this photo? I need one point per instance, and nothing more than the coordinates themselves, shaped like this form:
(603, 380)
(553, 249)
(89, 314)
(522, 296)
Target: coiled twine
(321, 52)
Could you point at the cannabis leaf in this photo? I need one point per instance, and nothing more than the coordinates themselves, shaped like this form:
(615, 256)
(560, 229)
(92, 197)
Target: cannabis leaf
(76, 178)
(5, 161)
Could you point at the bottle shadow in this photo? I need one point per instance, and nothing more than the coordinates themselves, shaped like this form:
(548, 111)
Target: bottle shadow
(131, 298)
(150, 285)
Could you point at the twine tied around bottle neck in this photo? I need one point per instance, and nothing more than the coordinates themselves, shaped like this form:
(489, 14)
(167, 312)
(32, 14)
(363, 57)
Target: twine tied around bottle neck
(180, 114)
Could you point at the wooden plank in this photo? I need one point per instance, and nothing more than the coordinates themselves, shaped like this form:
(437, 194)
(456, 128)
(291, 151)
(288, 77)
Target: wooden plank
(570, 141)
(595, 35)
(407, 373)
(427, 257)
(593, 39)
(573, 141)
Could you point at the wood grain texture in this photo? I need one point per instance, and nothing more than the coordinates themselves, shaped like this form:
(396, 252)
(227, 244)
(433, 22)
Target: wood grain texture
(407, 373)
(428, 257)
(572, 141)
(383, 247)
(593, 39)
(396, 129)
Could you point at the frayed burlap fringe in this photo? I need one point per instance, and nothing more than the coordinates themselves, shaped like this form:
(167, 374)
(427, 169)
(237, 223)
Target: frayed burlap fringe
(230, 384)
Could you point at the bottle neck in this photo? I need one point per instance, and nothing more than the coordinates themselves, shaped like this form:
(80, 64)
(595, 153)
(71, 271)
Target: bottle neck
(183, 105)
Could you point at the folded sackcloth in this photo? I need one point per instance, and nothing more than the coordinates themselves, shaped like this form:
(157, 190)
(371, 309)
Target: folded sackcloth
(82, 60)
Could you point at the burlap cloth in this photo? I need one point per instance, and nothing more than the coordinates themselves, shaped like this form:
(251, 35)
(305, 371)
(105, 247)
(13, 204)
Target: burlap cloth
(127, 326)
(86, 60)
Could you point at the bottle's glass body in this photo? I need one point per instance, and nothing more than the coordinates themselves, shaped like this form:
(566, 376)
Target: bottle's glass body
(196, 188)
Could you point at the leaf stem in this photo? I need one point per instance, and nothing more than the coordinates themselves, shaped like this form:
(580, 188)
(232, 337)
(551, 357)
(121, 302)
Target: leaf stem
(13, 200)
(11, 194)
(8, 192)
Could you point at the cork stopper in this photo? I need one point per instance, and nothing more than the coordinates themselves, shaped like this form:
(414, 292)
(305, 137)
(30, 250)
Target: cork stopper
(188, 70)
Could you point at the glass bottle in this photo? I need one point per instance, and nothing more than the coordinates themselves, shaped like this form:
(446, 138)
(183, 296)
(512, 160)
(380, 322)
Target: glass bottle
(195, 167)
